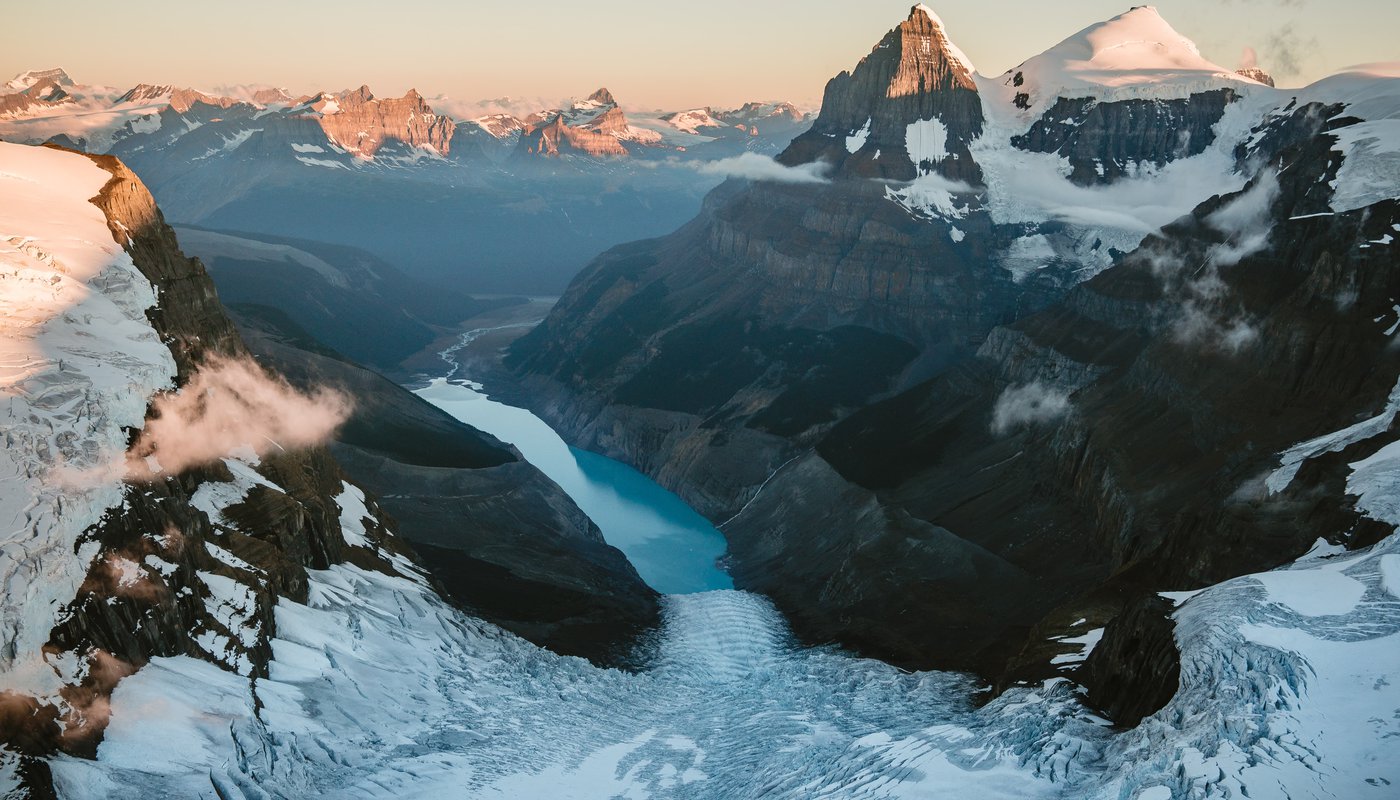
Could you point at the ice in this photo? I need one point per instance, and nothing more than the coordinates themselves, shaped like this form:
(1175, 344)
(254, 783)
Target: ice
(1292, 459)
(1313, 593)
(1376, 483)
(322, 162)
(1135, 54)
(933, 196)
(378, 689)
(212, 497)
(353, 514)
(1027, 255)
(1285, 691)
(1087, 642)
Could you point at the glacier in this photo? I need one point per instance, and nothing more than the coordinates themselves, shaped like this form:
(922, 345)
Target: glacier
(379, 689)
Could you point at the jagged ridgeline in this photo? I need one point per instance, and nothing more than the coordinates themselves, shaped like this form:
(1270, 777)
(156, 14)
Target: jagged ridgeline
(444, 189)
(1024, 354)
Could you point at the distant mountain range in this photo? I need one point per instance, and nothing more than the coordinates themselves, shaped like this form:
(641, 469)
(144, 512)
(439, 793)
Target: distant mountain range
(444, 199)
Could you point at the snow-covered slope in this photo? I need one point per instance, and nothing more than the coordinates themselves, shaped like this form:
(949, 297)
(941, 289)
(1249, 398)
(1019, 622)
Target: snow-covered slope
(79, 360)
(1136, 54)
(378, 690)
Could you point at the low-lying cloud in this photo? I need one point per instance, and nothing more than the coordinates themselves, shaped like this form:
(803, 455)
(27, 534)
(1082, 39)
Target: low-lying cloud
(1031, 404)
(1245, 221)
(232, 405)
(755, 167)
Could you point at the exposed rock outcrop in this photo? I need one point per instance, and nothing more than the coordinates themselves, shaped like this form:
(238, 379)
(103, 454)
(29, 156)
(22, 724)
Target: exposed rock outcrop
(1257, 74)
(363, 124)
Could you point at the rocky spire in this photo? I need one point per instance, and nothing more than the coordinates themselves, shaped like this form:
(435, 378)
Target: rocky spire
(603, 96)
(913, 76)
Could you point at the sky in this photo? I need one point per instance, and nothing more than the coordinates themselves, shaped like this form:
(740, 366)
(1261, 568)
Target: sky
(650, 54)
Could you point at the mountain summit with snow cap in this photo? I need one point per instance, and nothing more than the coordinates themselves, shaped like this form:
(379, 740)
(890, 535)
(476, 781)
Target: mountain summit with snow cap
(1135, 54)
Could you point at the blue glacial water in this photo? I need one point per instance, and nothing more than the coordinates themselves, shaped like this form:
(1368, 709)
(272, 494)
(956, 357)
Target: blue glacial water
(673, 548)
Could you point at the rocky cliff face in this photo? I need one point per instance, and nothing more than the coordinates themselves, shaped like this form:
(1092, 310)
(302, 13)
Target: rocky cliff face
(594, 126)
(1107, 141)
(914, 85)
(363, 124)
(556, 137)
(944, 424)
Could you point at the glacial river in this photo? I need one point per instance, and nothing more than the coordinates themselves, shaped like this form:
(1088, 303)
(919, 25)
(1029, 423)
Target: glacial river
(673, 548)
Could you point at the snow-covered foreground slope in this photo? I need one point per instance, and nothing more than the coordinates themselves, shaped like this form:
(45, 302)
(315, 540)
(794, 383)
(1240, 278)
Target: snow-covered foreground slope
(78, 362)
(378, 689)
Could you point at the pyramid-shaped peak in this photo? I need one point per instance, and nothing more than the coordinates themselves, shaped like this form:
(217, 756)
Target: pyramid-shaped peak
(603, 97)
(926, 28)
(360, 95)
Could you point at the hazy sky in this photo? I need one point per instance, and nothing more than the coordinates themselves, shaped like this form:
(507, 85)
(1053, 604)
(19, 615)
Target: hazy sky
(650, 54)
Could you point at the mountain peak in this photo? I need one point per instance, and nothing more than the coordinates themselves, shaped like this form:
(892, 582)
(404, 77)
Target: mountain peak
(1135, 54)
(26, 79)
(603, 96)
(1256, 74)
(920, 8)
(930, 36)
(1138, 40)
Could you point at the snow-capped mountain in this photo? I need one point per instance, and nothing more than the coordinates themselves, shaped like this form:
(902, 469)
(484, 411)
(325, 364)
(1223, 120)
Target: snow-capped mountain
(982, 358)
(1088, 390)
(417, 187)
(253, 628)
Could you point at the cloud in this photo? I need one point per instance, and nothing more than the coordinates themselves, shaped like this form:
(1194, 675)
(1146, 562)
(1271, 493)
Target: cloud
(1288, 51)
(1245, 220)
(1030, 404)
(755, 167)
(229, 405)
(1249, 58)
(1196, 325)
